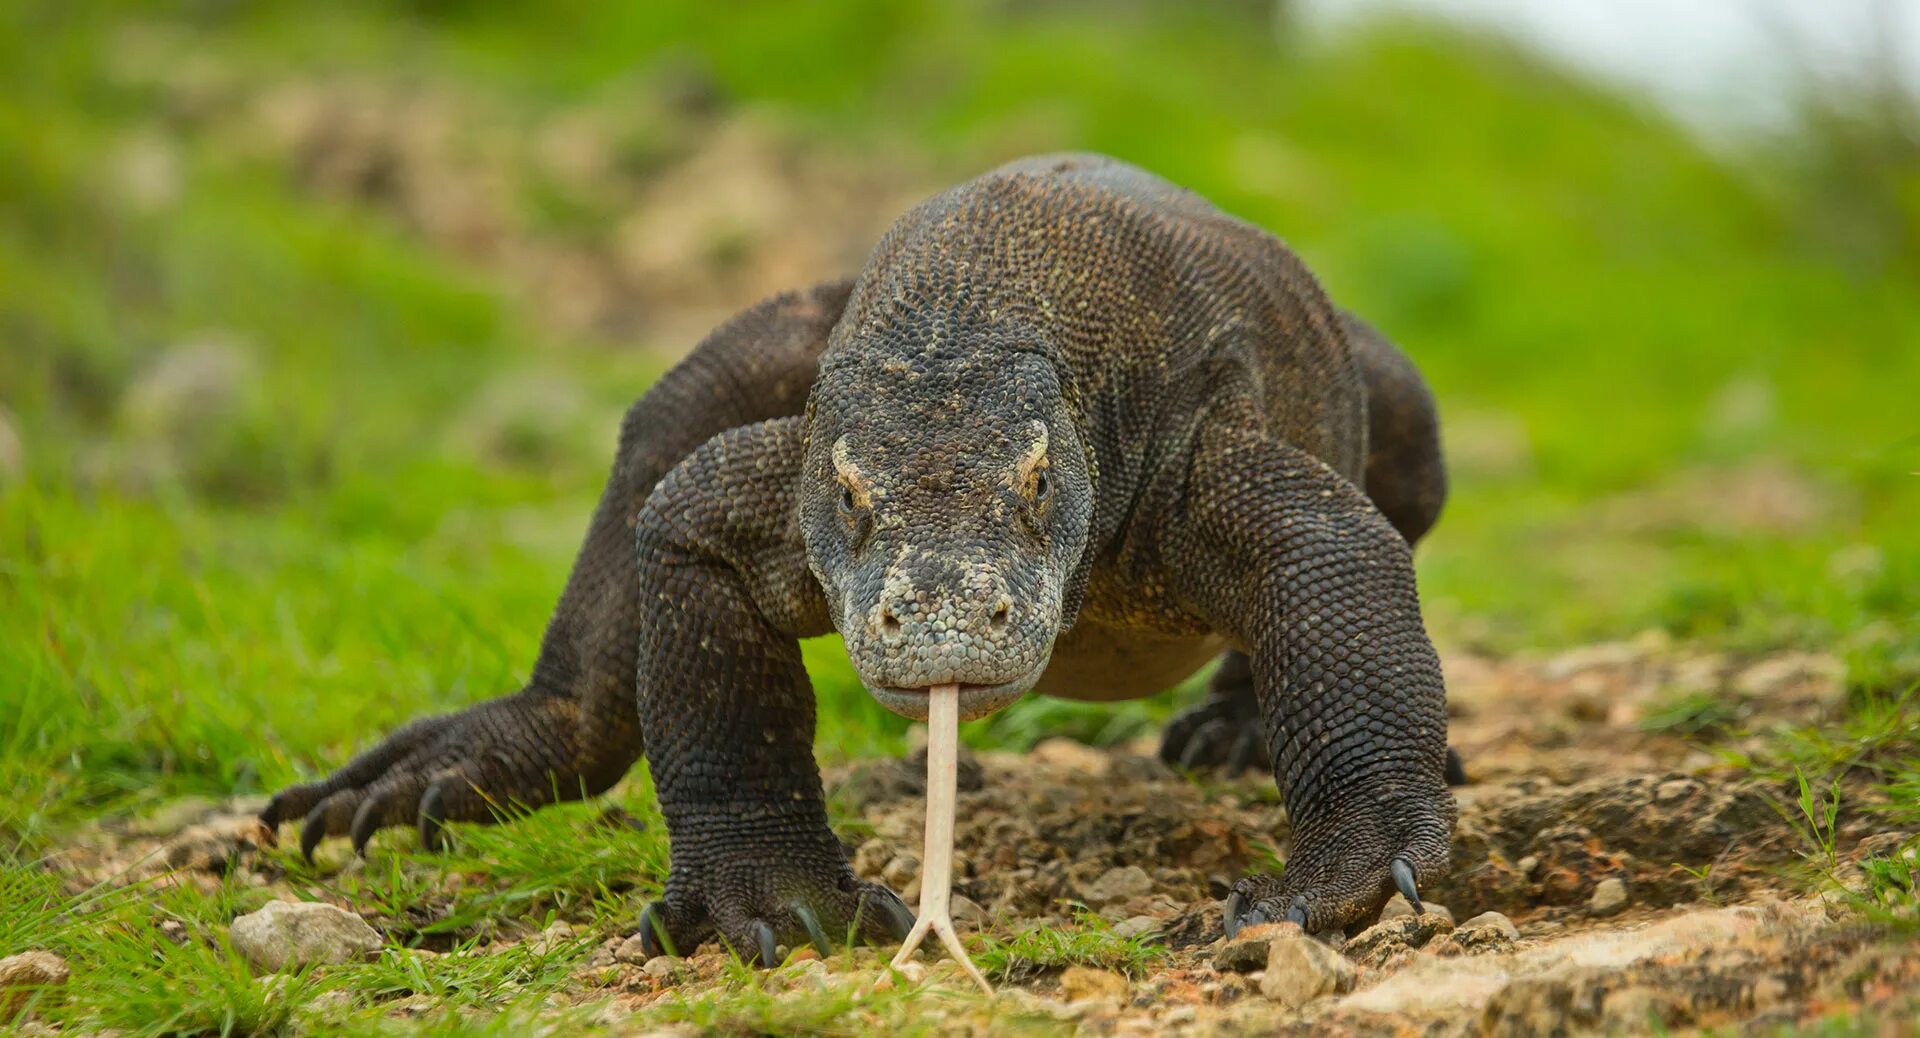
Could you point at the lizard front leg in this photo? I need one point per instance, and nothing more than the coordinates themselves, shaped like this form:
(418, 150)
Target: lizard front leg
(1306, 575)
(728, 713)
(573, 731)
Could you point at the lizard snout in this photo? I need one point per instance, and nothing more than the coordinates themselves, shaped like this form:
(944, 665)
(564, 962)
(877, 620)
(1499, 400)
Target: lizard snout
(902, 617)
(934, 622)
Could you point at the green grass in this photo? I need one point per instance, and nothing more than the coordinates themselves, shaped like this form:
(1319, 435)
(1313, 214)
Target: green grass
(1614, 319)
(1089, 942)
(1677, 386)
(1863, 768)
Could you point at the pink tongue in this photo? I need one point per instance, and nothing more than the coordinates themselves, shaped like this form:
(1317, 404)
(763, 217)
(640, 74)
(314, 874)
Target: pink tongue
(936, 869)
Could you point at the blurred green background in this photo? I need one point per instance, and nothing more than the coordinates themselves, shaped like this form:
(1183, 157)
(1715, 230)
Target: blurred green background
(316, 322)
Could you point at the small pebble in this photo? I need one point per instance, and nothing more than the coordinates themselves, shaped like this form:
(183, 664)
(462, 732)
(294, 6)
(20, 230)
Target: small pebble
(1609, 896)
(1134, 926)
(632, 951)
(1301, 969)
(291, 934)
(966, 910)
(1246, 951)
(1119, 884)
(1494, 921)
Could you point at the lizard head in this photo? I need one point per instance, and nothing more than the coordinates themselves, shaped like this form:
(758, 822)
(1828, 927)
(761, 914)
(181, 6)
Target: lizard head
(945, 502)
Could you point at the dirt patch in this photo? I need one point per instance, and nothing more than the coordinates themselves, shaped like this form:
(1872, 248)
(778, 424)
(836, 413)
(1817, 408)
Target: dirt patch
(647, 212)
(1608, 875)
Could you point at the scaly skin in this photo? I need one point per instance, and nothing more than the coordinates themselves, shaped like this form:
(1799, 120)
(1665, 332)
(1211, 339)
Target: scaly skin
(1065, 396)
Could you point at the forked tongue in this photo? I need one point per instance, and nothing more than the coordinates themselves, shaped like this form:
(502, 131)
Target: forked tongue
(936, 870)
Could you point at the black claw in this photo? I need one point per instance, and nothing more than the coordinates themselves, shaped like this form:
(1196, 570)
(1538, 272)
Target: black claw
(1230, 915)
(769, 948)
(898, 916)
(815, 932)
(433, 818)
(1402, 871)
(1456, 770)
(1297, 915)
(365, 824)
(1201, 745)
(1244, 750)
(270, 815)
(312, 831)
(653, 935)
(1175, 740)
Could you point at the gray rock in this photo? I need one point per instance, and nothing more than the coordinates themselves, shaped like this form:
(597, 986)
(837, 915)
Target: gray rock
(967, 911)
(1301, 969)
(289, 934)
(1246, 951)
(632, 951)
(1488, 931)
(1119, 884)
(1135, 926)
(1492, 921)
(1609, 896)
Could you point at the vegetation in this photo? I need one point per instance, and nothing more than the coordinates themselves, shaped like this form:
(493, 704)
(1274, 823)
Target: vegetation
(284, 463)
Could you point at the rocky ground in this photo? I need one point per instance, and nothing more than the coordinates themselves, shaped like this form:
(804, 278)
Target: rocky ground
(1610, 875)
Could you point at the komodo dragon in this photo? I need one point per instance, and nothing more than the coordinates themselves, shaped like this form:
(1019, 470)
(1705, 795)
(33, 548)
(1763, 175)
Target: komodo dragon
(1072, 430)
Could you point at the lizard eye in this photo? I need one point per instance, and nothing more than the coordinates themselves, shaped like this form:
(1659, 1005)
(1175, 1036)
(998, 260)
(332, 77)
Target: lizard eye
(1042, 486)
(847, 504)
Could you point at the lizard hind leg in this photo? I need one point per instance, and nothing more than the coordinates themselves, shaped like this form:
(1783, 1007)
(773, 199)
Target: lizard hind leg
(1224, 730)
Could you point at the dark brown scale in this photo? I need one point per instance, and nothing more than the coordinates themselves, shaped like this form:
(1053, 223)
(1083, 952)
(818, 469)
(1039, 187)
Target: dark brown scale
(1072, 430)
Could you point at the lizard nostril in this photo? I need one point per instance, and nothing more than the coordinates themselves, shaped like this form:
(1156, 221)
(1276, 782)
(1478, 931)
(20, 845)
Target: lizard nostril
(889, 622)
(1001, 611)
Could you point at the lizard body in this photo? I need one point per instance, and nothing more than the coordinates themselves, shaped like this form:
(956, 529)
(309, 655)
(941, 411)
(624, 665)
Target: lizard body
(1073, 430)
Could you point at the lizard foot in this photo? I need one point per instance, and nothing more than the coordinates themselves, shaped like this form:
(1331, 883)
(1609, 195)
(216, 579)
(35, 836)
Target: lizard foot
(1342, 882)
(462, 767)
(1223, 732)
(759, 909)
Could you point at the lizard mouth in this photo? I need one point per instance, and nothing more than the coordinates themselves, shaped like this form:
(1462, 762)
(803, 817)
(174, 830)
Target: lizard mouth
(976, 701)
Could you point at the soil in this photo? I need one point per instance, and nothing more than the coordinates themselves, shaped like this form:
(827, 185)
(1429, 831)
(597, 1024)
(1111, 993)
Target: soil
(1647, 884)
